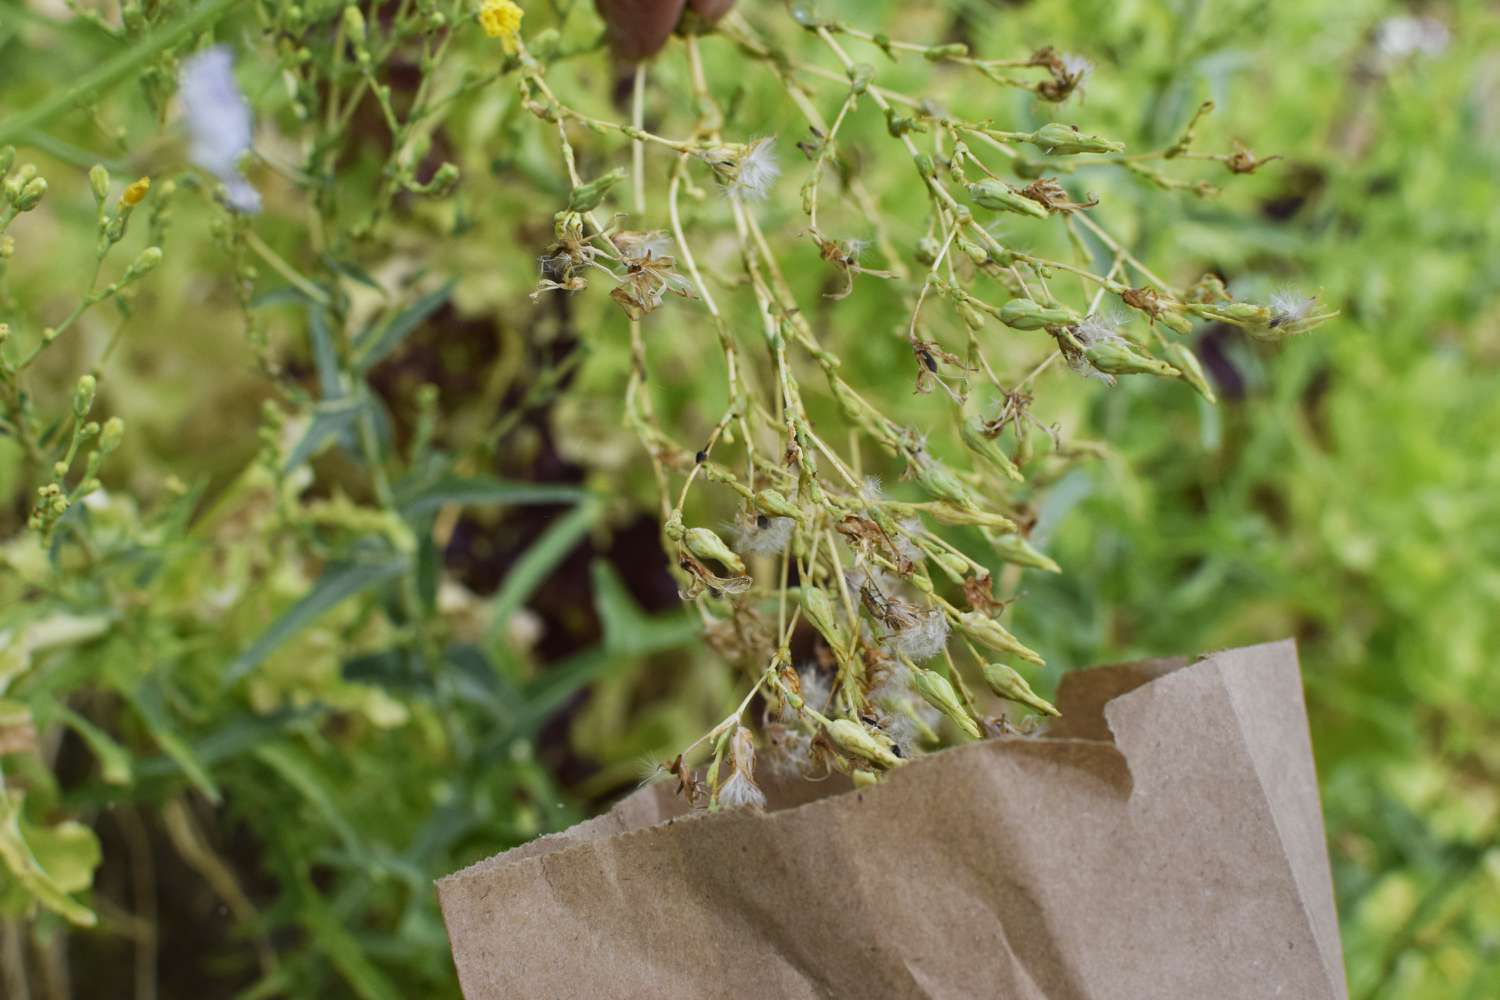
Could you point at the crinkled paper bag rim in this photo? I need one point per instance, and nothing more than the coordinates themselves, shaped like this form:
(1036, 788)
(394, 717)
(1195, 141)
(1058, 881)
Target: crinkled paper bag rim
(1163, 841)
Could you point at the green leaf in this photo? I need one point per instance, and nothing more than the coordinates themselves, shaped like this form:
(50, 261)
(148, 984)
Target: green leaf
(342, 949)
(480, 491)
(330, 420)
(339, 582)
(375, 344)
(49, 864)
(114, 760)
(296, 770)
(535, 564)
(325, 353)
(627, 630)
(147, 701)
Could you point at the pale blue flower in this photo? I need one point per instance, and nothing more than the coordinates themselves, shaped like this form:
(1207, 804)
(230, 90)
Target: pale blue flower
(218, 122)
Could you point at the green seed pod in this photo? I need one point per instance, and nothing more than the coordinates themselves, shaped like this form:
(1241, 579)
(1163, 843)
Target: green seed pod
(83, 396)
(1024, 314)
(1242, 314)
(971, 429)
(586, 197)
(855, 739)
(938, 692)
(988, 632)
(771, 502)
(1190, 371)
(1066, 140)
(818, 607)
(1117, 357)
(942, 484)
(1011, 686)
(1176, 322)
(704, 544)
(1000, 197)
(947, 513)
(1015, 549)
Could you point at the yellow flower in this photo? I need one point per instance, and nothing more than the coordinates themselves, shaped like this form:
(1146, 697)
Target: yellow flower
(502, 19)
(136, 192)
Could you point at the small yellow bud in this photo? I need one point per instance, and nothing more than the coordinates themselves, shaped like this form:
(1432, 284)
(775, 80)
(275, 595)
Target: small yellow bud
(136, 192)
(502, 19)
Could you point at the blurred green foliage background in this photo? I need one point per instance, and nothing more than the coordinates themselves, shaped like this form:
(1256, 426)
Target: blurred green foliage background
(263, 723)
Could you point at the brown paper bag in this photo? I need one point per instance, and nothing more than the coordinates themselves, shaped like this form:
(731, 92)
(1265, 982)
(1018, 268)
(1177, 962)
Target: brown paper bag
(1163, 842)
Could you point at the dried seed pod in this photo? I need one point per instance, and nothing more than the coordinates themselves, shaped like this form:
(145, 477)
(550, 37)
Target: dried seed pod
(853, 738)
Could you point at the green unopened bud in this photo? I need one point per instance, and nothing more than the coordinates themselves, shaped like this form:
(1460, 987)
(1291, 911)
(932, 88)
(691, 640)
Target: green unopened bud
(987, 632)
(110, 435)
(987, 448)
(704, 544)
(31, 195)
(1116, 356)
(771, 502)
(853, 738)
(83, 396)
(1010, 685)
(928, 250)
(1015, 549)
(941, 483)
(586, 197)
(443, 180)
(819, 609)
(938, 692)
(59, 469)
(144, 264)
(1065, 140)
(99, 182)
(1024, 314)
(1176, 322)
(1190, 371)
(1001, 197)
(7, 157)
(354, 25)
